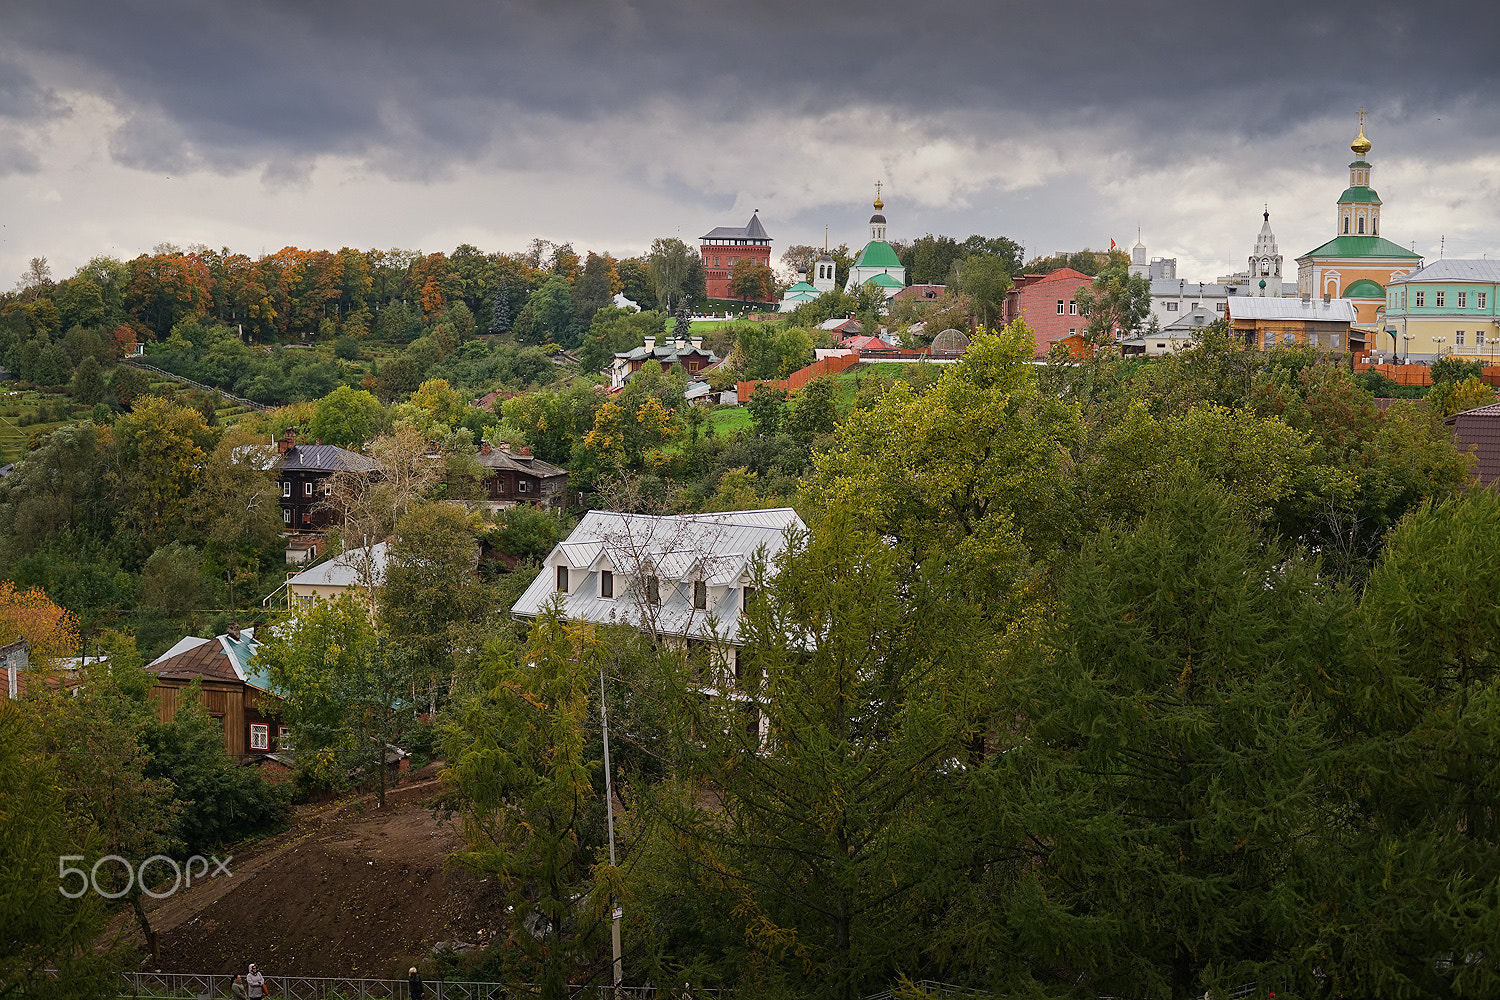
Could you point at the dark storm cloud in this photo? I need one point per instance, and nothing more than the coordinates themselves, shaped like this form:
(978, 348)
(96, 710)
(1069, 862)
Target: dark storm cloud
(222, 83)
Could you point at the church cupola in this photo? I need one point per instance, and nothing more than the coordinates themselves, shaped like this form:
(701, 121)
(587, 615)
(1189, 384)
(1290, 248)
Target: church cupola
(877, 221)
(1359, 205)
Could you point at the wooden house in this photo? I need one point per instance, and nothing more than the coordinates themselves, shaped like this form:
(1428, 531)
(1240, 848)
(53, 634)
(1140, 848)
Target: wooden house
(513, 477)
(305, 473)
(235, 691)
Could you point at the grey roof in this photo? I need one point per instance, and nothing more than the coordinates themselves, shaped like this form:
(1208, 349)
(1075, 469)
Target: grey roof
(499, 459)
(665, 353)
(1170, 287)
(717, 548)
(344, 570)
(1196, 319)
(325, 458)
(1454, 270)
(752, 230)
(1267, 307)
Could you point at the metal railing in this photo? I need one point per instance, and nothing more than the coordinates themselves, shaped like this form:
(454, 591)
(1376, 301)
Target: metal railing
(237, 400)
(204, 986)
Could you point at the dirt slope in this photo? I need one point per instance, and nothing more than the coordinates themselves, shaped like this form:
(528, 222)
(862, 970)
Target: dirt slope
(350, 890)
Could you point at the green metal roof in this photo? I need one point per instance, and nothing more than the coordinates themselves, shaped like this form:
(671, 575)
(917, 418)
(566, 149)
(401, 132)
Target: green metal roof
(878, 253)
(1360, 194)
(1361, 246)
(800, 286)
(1364, 288)
(884, 281)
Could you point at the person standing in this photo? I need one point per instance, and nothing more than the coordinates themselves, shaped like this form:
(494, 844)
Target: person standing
(414, 984)
(237, 988)
(256, 983)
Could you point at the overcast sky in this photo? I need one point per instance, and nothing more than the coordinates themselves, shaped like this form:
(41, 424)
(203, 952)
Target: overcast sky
(422, 125)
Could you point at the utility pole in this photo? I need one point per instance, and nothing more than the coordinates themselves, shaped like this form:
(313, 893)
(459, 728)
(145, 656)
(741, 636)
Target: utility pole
(609, 811)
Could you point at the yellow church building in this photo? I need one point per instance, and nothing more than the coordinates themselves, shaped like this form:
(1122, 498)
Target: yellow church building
(1358, 262)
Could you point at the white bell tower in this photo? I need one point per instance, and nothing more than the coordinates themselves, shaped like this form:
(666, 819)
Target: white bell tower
(1265, 262)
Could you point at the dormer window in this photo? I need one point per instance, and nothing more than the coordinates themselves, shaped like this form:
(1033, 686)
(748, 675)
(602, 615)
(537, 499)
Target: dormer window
(700, 595)
(653, 590)
(562, 579)
(606, 584)
(746, 596)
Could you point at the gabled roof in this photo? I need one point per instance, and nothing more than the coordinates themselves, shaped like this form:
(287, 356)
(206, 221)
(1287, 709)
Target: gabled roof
(1454, 269)
(346, 569)
(499, 459)
(1270, 307)
(665, 353)
(1361, 246)
(717, 548)
(878, 253)
(224, 658)
(1196, 319)
(801, 286)
(324, 458)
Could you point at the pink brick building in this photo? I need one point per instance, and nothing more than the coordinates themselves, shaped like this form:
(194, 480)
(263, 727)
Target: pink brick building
(1049, 305)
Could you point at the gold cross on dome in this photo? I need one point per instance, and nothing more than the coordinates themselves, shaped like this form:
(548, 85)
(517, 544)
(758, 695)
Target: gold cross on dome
(877, 190)
(1361, 117)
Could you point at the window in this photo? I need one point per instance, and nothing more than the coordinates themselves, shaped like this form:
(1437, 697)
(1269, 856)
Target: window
(1171, 307)
(1270, 338)
(328, 487)
(306, 517)
(286, 516)
(286, 489)
(716, 262)
(1361, 225)
(1333, 341)
(307, 489)
(283, 737)
(700, 595)
(1220, 306)
(260, 736)
(1480, 298)
(746, 596)
(562, 579)
(522, 486)
(1458, 338)
(653, 590)
(1072, 308)
(1312, 339)
(698, 660)
(1463, 300)
(1478, 338)
(1060, 304)
(1346, 225)
(1421, 300)
(1161, 347)
(1440, 299)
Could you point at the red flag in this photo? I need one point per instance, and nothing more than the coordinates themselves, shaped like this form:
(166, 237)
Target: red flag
(1111, 244)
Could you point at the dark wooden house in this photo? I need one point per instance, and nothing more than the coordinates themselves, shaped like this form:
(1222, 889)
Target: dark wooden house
(234, 690)
(305, 473)
(517, 477)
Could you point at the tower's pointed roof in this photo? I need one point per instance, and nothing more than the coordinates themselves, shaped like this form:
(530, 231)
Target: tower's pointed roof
(754, 230)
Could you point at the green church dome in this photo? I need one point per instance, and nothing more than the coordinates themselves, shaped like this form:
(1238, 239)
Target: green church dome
(1364, 288)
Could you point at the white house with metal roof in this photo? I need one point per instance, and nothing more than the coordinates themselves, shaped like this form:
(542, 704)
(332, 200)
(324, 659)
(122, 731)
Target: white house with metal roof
(684, 577)
(362, 568)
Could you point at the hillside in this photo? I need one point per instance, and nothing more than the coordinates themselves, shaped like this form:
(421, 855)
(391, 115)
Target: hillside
(349, 890)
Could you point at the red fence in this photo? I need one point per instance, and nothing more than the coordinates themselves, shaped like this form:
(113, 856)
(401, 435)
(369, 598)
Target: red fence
(796, 380)
(1420, 374)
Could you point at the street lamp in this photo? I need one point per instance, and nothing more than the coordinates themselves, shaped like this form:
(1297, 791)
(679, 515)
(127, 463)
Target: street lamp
(1408, 338)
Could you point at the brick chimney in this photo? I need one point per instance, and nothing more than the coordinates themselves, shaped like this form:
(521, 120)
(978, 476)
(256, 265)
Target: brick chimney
(484, 447)
(525, 451)
(234, 633)
(288, 441)
(650, 343)
(505, 446)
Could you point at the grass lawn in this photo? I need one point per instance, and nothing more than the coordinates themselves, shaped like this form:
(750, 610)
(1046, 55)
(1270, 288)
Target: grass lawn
(728, 420)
